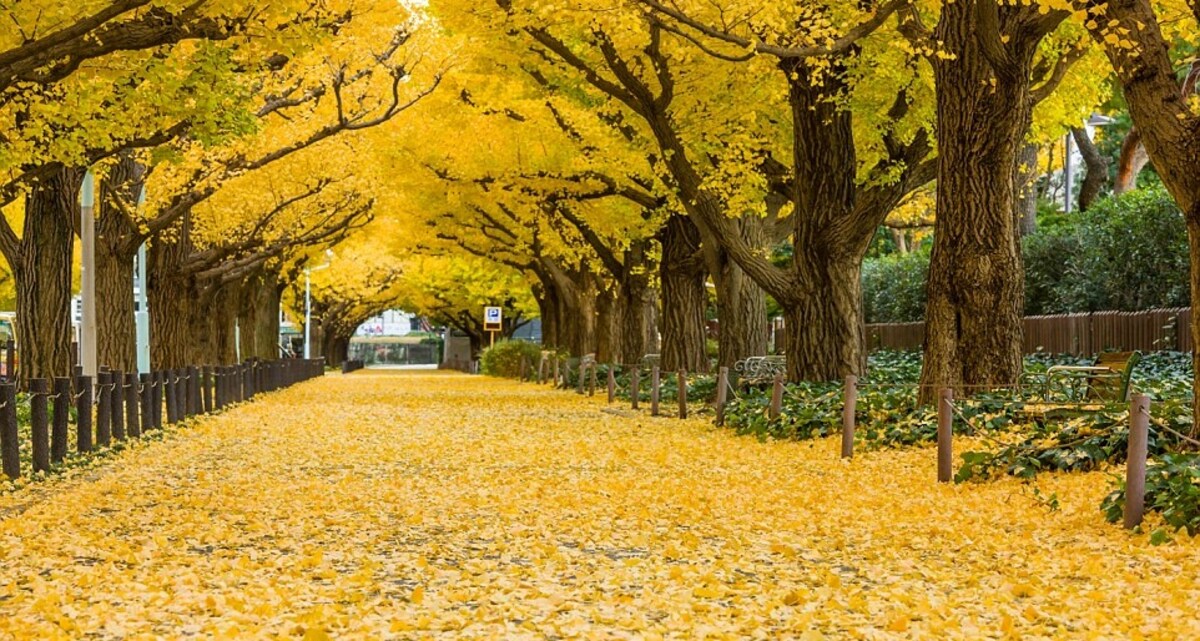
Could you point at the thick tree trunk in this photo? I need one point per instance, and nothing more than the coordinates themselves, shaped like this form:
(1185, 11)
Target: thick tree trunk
(116, 331)
(825, 332)
(639, 319)
(1193, 223)
(258, 317)
(174, 301)
(975, 292)
(42, 271)
(741, 310)
(610, 339)
(684, 297)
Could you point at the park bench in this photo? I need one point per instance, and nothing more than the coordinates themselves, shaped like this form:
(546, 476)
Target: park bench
(1071, 390)
(759, 370)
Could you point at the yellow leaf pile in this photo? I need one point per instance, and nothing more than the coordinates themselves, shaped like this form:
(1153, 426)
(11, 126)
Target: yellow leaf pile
(416, 505)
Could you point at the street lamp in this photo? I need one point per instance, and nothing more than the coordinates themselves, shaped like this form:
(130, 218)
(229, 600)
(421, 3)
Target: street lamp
(308, 302)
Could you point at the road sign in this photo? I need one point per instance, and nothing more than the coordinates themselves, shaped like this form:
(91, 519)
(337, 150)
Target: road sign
(493, 319)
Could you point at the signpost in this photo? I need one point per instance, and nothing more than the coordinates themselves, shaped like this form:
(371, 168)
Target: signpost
(493, 321)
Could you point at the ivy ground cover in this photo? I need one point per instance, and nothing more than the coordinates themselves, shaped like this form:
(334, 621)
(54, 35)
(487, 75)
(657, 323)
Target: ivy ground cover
(378, 506)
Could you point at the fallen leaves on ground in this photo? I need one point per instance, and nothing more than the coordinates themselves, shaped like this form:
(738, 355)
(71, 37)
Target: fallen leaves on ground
(419, 505)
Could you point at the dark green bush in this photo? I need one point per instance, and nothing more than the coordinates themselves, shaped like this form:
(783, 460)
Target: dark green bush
(1127, 253)
(1172, 489)
(894, 287)
(504, 359)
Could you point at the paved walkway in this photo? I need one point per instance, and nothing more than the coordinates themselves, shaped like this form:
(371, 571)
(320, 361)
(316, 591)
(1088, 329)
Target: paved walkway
(411, 505)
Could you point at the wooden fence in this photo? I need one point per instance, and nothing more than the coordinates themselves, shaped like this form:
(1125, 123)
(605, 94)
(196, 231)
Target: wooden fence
(117, 406)
(1079, 334)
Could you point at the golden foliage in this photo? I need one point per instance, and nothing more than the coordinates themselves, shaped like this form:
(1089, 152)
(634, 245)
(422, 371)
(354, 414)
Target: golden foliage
(428, 505)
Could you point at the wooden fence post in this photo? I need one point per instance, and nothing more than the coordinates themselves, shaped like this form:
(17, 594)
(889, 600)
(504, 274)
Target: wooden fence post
(132, 424)
(1135, 464)
(776, 397)
(116, 405)
(612, 383)
(555, 383)
(10, 445)
(157, 400)
(849, 407)
(582, 369)
(592, 381)
(147, 398)
(83, 414)
(682, 393)
(59, 434)
(103, 409)
(635, 386)
(39, 389)
(206, 391)
(655, 389)
(722, 395)
(524, 366)
(945, 435)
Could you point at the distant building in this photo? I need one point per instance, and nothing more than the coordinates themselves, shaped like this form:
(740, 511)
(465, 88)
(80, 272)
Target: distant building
(391, 323)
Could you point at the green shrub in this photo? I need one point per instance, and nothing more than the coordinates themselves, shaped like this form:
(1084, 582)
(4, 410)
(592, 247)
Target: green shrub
(504, 358)
(894, 287)
(1172, 489)
(1127, 253)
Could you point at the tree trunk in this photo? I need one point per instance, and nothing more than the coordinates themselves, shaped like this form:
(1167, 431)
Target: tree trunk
(975, 291)
(1097, 168)
(825, 332)
(116, 331)
(42, 271)
(610, 340)
(258, 317)
(684, 297)
(1027, 195)
(1132, 160)
(174, 300)
(637, 323)
(1193, 224)
(741, 309)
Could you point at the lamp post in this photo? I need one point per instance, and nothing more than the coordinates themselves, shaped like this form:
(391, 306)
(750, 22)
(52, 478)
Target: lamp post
(308, 304)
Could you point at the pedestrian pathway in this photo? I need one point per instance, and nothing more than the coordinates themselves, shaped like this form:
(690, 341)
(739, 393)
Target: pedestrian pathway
(415, 504)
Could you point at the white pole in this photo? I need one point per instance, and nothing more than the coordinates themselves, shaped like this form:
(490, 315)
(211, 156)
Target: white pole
(1068, 178)
(87, 234)
(307, 312)
(141, 319)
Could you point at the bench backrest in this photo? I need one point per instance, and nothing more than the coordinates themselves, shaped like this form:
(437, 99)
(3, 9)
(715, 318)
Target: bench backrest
(1113, 388)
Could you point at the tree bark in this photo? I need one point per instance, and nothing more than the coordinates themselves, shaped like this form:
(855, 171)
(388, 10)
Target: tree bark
(610, 339)
(174, 298)
(1097, 168)
(683, 280)
(825, 333)
(1132, 160)
(1027, 195)
(116, 331)
(975, 291)
(41, 267)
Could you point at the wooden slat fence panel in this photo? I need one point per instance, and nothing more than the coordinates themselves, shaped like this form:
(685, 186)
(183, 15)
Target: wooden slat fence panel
(1080, 334)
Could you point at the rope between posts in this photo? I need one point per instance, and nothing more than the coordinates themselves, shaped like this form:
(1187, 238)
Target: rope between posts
(1177, 434)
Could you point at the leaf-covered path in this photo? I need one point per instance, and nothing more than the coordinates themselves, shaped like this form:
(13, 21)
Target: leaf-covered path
(415, 505)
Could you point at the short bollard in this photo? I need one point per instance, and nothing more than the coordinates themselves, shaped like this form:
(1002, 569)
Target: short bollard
(133, 424)
(681, 393)
(722, 395)
(83, 414)
(776, 397)
(117, 405)
(206, 388)
(10, 445)
(59, 431)
(146, 394)
(655, 389)
(39, 419)
(945, 435)
(612, 384)
(635, 387)
(849, 407)
(1135, 465)
(104, 409)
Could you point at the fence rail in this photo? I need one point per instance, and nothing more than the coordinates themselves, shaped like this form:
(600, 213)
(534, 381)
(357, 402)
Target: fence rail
(1079, 334)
